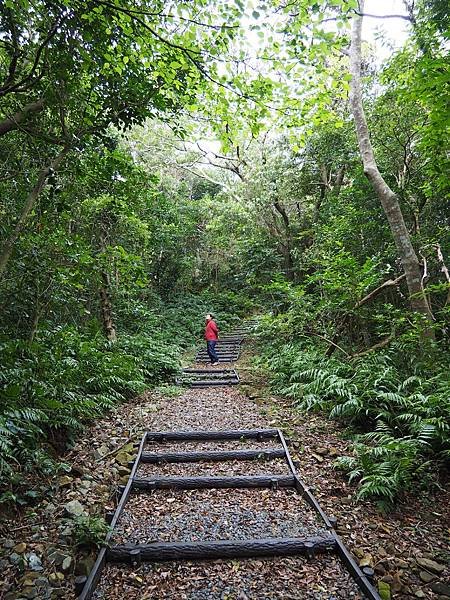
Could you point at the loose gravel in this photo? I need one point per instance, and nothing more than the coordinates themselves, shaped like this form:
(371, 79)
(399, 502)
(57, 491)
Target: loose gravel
(217, 514)
(212, 408)
(276, 466)
(246, 579)
(199, 446)
(195, 515)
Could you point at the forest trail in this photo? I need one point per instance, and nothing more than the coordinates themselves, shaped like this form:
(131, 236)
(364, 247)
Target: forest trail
(220, 484)
(398, 545)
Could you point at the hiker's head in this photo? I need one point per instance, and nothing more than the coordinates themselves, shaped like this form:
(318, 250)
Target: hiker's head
(209, 317)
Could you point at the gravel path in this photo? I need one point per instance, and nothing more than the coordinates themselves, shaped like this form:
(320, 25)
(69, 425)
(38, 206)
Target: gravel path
(211, 408)
(195, 446)
(196, 515)
(246, 579)
(277, 466)
(170, 515)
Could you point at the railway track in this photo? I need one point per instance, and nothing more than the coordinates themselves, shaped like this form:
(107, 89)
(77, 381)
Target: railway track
(261, 447)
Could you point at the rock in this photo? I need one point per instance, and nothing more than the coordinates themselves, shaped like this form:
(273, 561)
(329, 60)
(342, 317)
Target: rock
(430, 565)
(64, 480)
(123, 458)
(384, 589)
(318, 457)
(66, 531)
(29, 592)
(20, 548)
(50, 509)
(15, 558)
(84, 565)
(366, 561)
(34, 562)
(100, 452)
(402, 563)
(56, 557)
(358, 552)
(122, 471)
(66, 564)
(381, 552)
(8, 544)
(439, 587)
(419, 594)
(30, 576)
(74, 508)
(426, 577)
(322, 451)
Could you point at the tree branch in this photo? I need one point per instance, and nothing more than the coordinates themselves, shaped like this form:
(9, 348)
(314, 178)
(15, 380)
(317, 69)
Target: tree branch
(8, 246)
(11, 123)
(363, 14)
(385, 342)
(378, 290)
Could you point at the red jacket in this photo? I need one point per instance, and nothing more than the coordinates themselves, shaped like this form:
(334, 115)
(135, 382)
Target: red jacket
(211, 331)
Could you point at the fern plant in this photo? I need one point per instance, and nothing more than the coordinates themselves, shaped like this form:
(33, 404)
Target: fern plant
(400, 410)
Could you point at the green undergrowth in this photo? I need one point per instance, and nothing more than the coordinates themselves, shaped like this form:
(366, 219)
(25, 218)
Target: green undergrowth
(68, 376)
(396, 406)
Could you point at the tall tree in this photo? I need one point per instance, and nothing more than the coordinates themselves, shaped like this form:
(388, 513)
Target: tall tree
(387, 197)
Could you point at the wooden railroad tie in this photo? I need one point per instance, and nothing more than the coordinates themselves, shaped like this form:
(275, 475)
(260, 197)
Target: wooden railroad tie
(199, 435)
(162, 551)
(201, 483)
(211, 456)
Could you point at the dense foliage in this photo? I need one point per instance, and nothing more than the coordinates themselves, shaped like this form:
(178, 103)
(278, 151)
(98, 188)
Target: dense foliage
(156, 166)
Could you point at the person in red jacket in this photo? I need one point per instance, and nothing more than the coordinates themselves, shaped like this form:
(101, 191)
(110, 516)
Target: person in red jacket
(211, 337)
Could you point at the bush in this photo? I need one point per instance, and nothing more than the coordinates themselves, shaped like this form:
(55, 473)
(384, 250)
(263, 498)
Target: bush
(399, 409)
(50, 388)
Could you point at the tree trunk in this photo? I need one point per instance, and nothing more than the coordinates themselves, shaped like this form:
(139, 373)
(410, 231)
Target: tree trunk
(339, 180)
(29, 204)
(387, 197)
(105, 299)
(287, 244)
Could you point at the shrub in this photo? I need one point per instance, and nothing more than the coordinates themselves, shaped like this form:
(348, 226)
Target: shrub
(398, 409)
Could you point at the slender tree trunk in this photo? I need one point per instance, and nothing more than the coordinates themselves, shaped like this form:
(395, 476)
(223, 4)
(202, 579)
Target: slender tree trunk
(287, 244)
(105, 298)
(339, 180)
(8, 246)
(387, 197)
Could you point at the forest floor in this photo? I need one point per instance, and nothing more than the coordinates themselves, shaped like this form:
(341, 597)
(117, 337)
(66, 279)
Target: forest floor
(408, 548)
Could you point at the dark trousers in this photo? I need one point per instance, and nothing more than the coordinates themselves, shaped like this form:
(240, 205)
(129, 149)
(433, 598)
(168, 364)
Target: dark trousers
(211, 349)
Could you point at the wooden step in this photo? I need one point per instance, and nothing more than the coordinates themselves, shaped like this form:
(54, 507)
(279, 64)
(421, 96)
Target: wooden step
(209, 371)
(160, 551)
(212, 456)
(213, 382)
(230, 434)
(200, 483)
